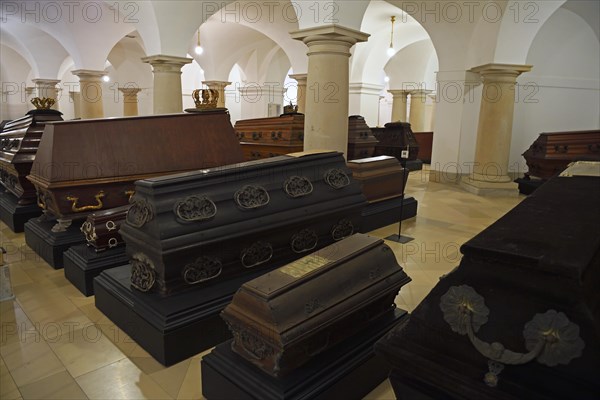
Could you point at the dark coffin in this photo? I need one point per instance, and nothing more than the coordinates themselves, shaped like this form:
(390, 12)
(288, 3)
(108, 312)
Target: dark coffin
(382, 177)
(19, 141)
(271, 137)
(529, 282)
(184, 231)
(286, 317)
(425, 142)
(393, 138)
(101, 229)
(89, 165)
(552, 152)
(361, 142)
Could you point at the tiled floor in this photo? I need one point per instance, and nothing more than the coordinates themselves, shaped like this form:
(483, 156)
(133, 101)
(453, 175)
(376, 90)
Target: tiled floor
(55, 344)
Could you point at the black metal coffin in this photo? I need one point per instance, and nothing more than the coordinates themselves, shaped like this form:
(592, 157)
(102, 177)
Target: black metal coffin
(19, 141)
(393, 139)
(520, 316)
(101, 229)
(208, 226)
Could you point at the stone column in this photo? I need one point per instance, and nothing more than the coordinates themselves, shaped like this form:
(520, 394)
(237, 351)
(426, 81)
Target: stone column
(326, 121)
(90, 83)
(430, 114)
(399, 98)
(417, 117)
(494, 132)
(47, 88)
(130, 101)
(76, 100)
(220, 87)
(301, 91)
(167, 82)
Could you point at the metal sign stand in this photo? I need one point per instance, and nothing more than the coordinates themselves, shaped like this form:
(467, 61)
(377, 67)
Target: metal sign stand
(399, 238)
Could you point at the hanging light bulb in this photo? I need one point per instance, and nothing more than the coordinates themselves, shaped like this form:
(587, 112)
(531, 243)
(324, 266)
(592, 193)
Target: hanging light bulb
(199, 50)
(106, 78)
(390, 50)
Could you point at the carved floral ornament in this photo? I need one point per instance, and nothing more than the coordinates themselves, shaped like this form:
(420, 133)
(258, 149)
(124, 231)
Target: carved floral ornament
(203, 269)
(550, 338)
(336, 178)
(251, 197)
(195, 208)
(139, 213)
(143, 274)
(297, 186)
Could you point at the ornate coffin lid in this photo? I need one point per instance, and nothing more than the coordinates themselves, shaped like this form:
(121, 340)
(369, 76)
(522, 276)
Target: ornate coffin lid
(307, 295)
(16, 142)
(289, 187)
(282, 121)
(100, 150)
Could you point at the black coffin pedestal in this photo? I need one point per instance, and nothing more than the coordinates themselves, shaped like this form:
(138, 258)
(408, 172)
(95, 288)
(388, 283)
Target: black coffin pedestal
(15, 215)
(412, 165)
(170, 328)
(387, 212)
(82, 264)
(51, 245)
(350, 370)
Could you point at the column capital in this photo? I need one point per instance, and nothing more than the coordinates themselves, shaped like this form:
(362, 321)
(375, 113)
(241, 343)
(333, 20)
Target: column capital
(330, 39)
(300, 78)
(216, 83)
(365, 88)
(45, 82)
(501, 72)
(398, 92)
(129, 91)
(164, 63)
(420, 92)
(89, 74)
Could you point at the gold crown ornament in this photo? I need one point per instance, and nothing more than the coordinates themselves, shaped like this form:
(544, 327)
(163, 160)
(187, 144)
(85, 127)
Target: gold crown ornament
(43, 103)
(205, 98)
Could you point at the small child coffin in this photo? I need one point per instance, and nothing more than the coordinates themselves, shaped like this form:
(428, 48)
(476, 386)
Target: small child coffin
(101, 229)
(216, 224)
(282, 319)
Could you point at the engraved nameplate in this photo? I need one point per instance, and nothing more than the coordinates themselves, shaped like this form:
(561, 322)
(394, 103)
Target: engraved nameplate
(305, 265)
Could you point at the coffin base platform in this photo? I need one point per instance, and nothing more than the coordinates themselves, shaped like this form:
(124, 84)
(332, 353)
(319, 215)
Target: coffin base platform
(82, 264)
(349, 370)
(386, 212)
(51, 245)
(529, 185)
(15, 215)
(170, 328)
(412, 165)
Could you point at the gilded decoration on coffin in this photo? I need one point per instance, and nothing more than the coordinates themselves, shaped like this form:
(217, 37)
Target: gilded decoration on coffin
(253, 345)
(139, 213)
(342, 229)
(7, 144)
(550, 338)
(44, 200)
(303, 266)
(298, 186)
(195, 208)
(143, 274)
(203, 269)
(258, 253)
(205, 98)
(43, 103)
(336, 178)
(250, 197)
(304, 241)
(75, 208)
(89, 231)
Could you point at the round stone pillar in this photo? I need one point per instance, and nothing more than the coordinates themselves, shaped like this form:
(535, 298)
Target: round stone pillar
(130, 101)
(167, 82)
(399, 98)
(418, 113)
(75, 98)
(90, 83)
(494, 132)
(430, 114)
(301, 91)
(220, 87)
(326, 120)
(47, 88)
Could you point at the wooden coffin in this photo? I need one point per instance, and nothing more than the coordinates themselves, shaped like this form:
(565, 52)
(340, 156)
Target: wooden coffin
(282, 319)
(381, 177)
(101, 229)
(287, 129)
(425, 142)
(19, 141)
(519, 318)
(393, 138)
(361, 142)
(89, 165)
(202, 227)
(552, 152)
(257, 151)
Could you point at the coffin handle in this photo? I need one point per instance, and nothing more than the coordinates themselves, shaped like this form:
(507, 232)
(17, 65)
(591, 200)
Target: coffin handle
(98, 206)
(129, 194)
(40, 202)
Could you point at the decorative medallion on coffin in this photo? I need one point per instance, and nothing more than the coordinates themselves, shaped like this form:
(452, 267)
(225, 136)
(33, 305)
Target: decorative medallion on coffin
(298, 186)
(304, 241)
(143, 273)
(256, 254)
(250, 197)
(342, 229)
(195, 208)
(139, 213)
(203, 269)
(336, 178)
